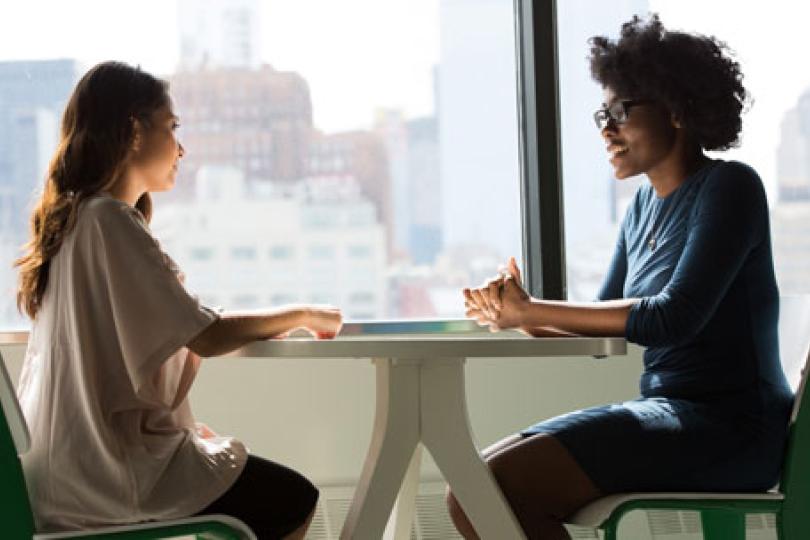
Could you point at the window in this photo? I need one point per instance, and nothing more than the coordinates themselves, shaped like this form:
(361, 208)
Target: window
(201, 253)
(776, 129)
(282, 298)
(282, 252)
(245, 301)
(323, 298)
(359, 251)
(321, 252)
(387, 146)
(361, 297)
(594, 201)
(775, 136)
(243, 253)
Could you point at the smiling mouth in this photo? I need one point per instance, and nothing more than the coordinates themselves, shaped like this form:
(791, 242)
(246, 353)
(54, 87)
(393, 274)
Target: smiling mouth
(616, 151)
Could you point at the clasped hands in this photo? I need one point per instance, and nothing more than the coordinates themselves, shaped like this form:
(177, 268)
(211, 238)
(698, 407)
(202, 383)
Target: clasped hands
(500, 302)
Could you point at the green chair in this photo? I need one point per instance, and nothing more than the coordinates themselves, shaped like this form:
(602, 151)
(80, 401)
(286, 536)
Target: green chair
(723, 514)
(15, 511)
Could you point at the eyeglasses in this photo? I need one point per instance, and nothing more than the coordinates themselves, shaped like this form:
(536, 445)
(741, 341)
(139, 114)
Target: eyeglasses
(617, 112)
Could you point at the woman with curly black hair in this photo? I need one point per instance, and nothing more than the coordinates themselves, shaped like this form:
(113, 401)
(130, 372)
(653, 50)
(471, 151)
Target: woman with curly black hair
(691, 279)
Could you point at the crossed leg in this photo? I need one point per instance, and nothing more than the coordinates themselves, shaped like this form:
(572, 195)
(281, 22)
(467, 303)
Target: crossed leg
(541, 481)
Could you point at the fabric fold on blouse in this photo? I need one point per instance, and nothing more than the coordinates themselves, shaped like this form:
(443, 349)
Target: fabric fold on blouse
(105, 383)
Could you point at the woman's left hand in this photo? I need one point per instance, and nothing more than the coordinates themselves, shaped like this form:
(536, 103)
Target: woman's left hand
(514, 301)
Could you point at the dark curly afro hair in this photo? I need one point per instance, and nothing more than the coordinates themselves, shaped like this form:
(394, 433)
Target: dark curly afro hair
(692, 75)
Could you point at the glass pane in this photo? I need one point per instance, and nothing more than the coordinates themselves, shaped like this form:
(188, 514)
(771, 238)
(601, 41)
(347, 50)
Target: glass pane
(359, 152)
(776, 129)
(775, 137)
(594, 201)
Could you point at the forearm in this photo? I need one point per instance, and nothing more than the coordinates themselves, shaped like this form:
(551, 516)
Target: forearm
(587, 318)
(235, 329)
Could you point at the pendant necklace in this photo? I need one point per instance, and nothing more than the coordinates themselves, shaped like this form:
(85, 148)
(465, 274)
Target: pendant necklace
(656, 230)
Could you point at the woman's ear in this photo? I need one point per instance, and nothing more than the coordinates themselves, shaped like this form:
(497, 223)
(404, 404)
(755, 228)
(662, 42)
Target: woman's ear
(676, 122)
(137, 129)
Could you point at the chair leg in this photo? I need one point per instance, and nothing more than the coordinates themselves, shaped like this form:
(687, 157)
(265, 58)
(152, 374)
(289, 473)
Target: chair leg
(722, 524)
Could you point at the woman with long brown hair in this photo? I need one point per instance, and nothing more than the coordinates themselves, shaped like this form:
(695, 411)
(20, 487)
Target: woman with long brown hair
(116, 339)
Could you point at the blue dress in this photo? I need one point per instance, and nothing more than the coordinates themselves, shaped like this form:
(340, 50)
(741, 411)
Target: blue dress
(714, 405)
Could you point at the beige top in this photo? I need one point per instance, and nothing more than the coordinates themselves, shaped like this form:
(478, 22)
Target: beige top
(105, 382)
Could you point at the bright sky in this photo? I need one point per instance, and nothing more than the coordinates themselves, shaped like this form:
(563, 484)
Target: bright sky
(359, 55)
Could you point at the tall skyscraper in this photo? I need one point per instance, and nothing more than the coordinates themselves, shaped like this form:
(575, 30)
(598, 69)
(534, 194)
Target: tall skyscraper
(219, 33)
(390, 127)
(32, 97)
(424, 190)
(412, 146)
(790, 216)
(793, 153)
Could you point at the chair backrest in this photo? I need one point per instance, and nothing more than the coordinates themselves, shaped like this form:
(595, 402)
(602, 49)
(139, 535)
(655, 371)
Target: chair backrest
(16, 519)
(12, 412)
(794, 339)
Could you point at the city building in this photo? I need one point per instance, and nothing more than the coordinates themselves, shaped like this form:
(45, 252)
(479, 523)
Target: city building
(412, 146)
(790, 226)
(32, 96)
(793, 153)
(790, 215)
(362, 155)
(218, 33)
(258, 120)
(424, 195)
(247, 245)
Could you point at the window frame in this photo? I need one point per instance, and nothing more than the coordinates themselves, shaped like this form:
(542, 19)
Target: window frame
(540, 155)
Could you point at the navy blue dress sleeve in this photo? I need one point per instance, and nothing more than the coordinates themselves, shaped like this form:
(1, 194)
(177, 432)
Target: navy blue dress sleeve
(729, 219)
(613, 284)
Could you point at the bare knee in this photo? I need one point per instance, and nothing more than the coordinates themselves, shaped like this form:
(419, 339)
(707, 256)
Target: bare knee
(453, 508)
(459, 518)
(539, 476)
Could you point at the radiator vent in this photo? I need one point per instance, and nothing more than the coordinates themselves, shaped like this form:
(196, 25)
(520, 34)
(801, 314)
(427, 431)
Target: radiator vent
(432, 521)
(686, 525)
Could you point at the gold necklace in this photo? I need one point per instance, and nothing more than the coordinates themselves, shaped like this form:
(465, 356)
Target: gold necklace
(654, 231)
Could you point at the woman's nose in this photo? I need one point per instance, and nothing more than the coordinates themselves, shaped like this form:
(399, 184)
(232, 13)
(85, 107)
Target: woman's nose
(182, 149)
(610, 128)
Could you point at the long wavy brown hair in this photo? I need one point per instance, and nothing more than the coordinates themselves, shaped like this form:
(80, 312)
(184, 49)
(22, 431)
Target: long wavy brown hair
(96, 137)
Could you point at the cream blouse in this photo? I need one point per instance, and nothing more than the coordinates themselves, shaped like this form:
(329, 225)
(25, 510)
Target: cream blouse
(105, 383)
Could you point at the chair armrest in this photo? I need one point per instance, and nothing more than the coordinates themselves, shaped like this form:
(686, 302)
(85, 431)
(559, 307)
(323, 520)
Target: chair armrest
(215, 526)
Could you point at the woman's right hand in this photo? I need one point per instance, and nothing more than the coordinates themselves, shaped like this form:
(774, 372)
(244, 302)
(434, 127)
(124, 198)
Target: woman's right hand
(323, 322)
(486, 302)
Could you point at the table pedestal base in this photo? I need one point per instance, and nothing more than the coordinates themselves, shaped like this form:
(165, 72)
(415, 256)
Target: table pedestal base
(423, 400)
